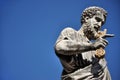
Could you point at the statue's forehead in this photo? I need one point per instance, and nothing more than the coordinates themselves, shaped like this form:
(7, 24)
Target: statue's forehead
(100, 15)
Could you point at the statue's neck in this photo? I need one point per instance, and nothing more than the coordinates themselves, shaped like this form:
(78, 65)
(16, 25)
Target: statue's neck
(81, 31)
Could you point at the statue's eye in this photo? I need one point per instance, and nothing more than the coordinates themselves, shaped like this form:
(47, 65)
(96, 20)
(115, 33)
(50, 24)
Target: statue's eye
(65, 38)
(98, 19)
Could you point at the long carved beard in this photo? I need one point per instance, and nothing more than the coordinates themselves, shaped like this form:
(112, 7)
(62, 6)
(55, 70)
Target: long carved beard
(89, 31)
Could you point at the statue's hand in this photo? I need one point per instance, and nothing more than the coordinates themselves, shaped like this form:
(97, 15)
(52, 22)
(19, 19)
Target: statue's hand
(101, 34)
(100, 42)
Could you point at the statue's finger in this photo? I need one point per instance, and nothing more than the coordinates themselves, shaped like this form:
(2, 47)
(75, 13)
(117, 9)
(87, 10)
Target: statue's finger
(105, 31)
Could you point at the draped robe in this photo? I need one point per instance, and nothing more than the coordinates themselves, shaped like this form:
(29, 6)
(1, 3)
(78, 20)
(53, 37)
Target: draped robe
(81, 65)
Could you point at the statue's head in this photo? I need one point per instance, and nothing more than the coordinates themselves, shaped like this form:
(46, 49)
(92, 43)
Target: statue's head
(90, 12)
(92, 19)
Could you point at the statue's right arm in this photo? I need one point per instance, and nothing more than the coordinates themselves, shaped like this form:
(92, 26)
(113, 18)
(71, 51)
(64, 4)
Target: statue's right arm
(71, 47)
(67, 46)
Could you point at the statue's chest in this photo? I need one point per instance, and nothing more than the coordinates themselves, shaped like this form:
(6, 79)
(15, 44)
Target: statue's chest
(76, 36)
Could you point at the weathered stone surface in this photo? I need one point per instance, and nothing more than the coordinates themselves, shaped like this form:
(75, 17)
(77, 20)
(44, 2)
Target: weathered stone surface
(82, 52)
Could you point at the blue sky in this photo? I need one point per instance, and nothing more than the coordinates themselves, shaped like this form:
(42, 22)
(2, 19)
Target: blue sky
(29, 29)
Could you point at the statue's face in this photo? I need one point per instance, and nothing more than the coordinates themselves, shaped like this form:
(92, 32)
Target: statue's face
(93, 25)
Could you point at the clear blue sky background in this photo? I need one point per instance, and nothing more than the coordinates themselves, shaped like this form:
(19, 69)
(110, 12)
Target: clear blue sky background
(29, 29)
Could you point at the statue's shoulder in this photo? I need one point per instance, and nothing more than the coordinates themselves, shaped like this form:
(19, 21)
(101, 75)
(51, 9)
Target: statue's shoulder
(68, 30)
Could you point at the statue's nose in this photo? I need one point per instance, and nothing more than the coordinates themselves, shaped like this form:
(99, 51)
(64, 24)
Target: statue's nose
(99, 23)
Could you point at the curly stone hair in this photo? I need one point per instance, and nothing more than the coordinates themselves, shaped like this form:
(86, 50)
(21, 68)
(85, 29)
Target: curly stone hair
(91, 11)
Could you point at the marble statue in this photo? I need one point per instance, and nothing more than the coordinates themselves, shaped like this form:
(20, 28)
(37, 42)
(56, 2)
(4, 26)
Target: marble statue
(82, 52)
